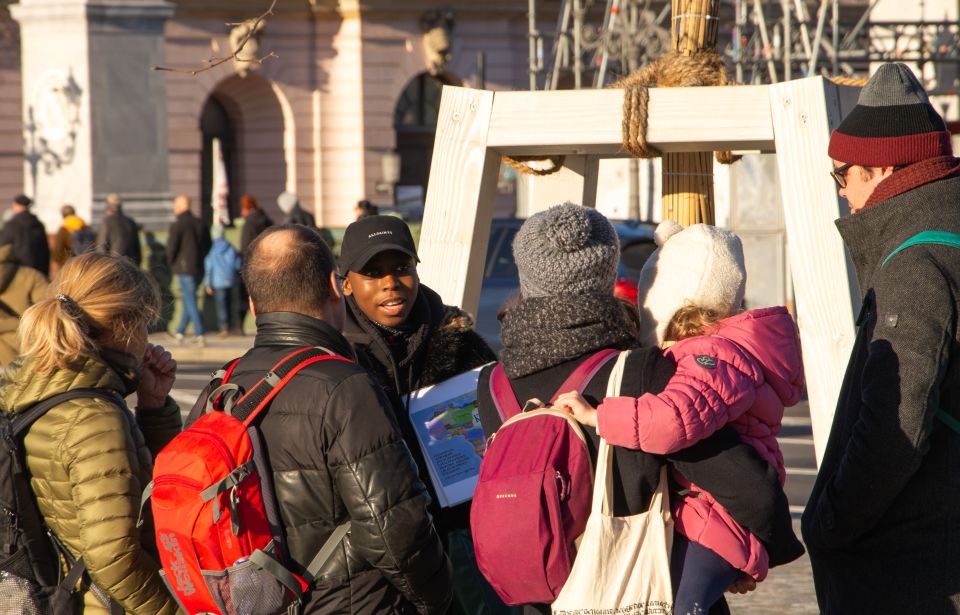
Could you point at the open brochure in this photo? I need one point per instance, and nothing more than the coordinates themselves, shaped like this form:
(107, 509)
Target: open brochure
(446, 420)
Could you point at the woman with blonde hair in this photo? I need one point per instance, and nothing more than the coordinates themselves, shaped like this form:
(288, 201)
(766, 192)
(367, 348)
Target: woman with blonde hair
(90, 458)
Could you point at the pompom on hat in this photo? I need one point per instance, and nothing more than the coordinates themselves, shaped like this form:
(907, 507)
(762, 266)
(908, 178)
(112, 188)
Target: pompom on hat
(566, 250)
(700, 265)
(893, 123)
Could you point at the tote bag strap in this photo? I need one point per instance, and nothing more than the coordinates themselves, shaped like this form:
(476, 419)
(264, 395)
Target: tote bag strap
(603, 478)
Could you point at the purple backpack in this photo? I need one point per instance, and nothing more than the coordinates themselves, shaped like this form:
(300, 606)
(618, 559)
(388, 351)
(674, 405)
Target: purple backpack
(533, 495)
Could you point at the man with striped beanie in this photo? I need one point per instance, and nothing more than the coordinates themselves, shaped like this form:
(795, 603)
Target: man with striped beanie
(882, 524)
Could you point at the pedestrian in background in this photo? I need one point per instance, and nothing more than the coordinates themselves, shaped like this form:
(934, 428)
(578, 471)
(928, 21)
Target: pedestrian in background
(20, 287)
(221, 270)
(187, 245)
(289, 204)
(119, 233)
(89, 459)
(27, 235)
(255, 220)
(73, 238)
(882, 520)
(365, 209)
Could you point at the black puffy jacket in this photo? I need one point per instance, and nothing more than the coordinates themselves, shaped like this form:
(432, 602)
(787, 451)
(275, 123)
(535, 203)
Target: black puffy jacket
(337, 454)
(29, 239)
(120, 235)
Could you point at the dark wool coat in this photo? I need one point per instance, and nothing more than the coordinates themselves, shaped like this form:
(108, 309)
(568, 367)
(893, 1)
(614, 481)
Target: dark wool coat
(29, 239)
(336, 454)
(187, 245)
(441, 345)
(883, 522)
(120, 235)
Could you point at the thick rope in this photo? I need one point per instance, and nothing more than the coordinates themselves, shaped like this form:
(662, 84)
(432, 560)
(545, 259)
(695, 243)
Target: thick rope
(520, 164)
(673, 69)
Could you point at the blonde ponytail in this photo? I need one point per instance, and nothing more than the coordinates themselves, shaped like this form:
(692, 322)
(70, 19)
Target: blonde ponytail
(96, 300)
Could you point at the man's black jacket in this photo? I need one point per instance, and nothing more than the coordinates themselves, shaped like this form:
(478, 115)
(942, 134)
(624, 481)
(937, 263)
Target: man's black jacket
(336, 454)
(29, 239)
(187, 245)
(120, 235)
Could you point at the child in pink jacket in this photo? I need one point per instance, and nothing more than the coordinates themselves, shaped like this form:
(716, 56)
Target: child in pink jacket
(734, 367)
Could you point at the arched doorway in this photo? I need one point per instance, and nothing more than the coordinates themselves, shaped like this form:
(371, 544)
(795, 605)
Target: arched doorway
(246, 115)
(415, 122)
(215, 124)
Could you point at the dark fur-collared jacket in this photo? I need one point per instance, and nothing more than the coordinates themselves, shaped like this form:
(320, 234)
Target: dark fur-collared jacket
(437, 343)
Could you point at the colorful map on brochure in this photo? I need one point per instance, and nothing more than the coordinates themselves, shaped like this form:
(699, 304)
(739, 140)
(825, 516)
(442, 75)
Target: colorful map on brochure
(447, 423)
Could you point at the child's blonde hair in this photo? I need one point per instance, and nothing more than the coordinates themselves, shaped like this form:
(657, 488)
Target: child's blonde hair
(691, 321)
(96, 300)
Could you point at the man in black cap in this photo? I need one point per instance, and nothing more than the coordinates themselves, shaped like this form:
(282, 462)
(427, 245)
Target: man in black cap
(408, 339)
(27, 235)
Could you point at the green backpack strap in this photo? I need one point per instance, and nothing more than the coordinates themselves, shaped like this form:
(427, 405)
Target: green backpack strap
(943, 238)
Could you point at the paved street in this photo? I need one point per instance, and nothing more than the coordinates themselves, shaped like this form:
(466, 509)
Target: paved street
(788, 589)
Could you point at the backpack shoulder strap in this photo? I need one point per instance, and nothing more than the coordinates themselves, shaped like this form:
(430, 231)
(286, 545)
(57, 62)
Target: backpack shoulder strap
(944, 238)
(262, 393)
(21, 422)
(506, 401)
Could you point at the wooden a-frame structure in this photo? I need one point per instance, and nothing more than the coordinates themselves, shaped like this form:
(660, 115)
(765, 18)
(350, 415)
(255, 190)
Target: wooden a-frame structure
(793, 119)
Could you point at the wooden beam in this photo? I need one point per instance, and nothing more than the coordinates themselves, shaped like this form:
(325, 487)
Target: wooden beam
(804, 112)
(459, 204)
(588, 121)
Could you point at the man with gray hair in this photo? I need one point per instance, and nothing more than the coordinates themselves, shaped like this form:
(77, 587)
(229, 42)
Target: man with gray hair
(118, 233)
(289, 204)
(883, 519)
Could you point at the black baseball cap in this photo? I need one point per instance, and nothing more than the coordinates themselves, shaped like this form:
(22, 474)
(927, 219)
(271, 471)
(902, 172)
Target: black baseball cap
(22, 200)
(369, 236)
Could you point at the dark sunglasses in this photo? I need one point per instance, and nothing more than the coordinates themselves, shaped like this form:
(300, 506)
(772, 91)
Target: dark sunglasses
(839, 174)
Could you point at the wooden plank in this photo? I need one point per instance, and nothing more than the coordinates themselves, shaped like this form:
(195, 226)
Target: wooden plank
(460, 199)
(589, 121)
(804, 112)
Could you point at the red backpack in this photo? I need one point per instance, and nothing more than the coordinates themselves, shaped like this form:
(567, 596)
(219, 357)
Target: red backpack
(217, 526)
(533, 494)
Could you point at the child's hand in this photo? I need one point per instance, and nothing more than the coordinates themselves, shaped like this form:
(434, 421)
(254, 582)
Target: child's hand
(743, 585)
(575, 404)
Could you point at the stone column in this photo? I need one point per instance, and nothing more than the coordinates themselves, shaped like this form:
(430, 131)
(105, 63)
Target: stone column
(94, 111)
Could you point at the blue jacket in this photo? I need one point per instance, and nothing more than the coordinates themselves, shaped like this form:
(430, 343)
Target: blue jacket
(221, 266)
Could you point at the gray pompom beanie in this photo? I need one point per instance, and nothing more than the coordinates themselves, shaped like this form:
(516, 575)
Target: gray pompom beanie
(566, 250)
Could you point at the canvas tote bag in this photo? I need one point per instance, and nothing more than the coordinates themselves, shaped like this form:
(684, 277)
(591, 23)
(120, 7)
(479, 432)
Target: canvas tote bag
(623, 563)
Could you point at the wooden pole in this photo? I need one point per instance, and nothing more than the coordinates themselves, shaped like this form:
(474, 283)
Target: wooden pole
(688, 177)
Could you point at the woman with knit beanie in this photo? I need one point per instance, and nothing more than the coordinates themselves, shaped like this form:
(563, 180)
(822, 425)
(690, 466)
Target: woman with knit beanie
(733, 367)
(567, 259)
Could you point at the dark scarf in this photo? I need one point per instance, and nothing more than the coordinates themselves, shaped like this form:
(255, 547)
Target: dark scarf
(916, 175)
(541, 332)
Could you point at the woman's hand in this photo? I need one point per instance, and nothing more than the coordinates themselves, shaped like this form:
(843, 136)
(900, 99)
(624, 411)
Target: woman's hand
(159, 372)
(575, 404)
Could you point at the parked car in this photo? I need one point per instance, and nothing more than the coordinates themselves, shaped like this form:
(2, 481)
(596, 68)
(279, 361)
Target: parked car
(501, 284)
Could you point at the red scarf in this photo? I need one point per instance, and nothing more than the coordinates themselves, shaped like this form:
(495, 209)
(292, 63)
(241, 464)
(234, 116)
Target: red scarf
(916, 175)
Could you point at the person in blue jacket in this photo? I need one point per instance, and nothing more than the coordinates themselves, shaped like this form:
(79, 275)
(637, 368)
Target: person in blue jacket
(221, 269)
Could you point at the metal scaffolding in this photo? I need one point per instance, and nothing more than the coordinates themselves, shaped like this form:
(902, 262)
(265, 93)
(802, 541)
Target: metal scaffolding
(765, 41)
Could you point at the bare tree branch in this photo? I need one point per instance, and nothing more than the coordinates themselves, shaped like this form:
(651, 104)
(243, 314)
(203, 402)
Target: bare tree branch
(217, 61)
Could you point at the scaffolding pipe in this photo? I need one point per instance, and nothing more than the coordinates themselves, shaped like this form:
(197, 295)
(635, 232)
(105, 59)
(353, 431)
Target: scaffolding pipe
(532, 36)
(821, 20)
